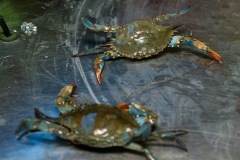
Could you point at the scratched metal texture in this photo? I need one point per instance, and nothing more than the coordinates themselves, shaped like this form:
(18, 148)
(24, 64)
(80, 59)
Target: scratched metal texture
(185, 93)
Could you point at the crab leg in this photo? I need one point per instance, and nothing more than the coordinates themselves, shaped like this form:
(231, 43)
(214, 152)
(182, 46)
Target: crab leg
(49, 125)
(97, 49)
(176, 40)
(137, 147)
(143, 132)
(100, 61)
(33, 124)
(170, 136)
(171, 15)
(98, 27)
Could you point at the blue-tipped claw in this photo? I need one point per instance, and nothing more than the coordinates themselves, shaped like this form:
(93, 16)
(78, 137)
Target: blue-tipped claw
(202, 47)
(185, 10)
(87, 23)
(90, 25)
(170, 136)
(171, 15)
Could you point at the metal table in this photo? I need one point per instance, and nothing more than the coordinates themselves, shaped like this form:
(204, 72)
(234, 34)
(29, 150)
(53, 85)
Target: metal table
(178, 84)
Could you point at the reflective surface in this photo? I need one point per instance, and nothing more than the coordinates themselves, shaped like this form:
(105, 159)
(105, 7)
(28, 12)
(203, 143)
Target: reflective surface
(185, 92)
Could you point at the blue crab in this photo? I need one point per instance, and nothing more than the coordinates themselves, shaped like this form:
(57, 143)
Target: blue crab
(99, 125)
(141, 39)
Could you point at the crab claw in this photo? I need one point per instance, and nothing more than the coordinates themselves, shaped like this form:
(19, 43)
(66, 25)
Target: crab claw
(99, 64)
(68, 90)
(65, 100)
(170, 136)
(201, 46)
(98, 71)
(214, 54)
(137, 110)
(123, 106)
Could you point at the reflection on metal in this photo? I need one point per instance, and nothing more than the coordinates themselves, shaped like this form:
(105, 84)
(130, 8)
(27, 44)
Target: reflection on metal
(28, 28)
(77, 61)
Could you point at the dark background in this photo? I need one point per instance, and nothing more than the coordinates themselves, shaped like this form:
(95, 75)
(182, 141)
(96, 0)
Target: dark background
(178, 84)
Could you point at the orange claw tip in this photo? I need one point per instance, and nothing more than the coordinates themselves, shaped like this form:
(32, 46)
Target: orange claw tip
(98, 75)
(98, 78)
(122, 105)
(216, 56)
(73, 85)
(186, 149)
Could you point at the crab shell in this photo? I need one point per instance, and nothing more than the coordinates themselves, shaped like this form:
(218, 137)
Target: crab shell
(142, 38)
(99, 125)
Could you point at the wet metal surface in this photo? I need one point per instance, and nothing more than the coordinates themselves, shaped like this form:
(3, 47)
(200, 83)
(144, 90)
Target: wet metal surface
(185, 92)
